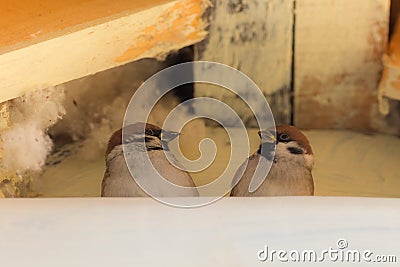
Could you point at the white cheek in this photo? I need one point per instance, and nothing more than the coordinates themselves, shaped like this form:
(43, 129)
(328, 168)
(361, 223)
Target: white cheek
(282, 149)
(282, 154)
(309, 160)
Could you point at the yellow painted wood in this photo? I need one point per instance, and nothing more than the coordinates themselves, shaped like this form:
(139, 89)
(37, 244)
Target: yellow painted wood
(30, 21)
(53, 42)
(389, 86)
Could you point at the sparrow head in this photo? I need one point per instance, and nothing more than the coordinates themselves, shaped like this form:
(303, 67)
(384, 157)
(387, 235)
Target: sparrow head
(151, 135)
(290, 144)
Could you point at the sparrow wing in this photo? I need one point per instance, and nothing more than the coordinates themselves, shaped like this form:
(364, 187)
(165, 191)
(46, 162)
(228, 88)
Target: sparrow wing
(243, 175)
(260, 173)
(173, 174)
(250, 175)
(239, 173)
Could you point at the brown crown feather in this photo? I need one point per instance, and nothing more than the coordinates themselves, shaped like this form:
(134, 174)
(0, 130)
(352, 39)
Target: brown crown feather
(116, 137)
(295, 135)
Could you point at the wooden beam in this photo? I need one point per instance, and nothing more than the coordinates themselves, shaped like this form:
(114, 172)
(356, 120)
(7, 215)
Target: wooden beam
(394, 14)
(255, 37)
(46, 43)
(389, 86)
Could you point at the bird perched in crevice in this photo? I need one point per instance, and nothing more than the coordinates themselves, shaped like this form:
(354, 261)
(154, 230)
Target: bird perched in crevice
(290, 173)
(139, 139)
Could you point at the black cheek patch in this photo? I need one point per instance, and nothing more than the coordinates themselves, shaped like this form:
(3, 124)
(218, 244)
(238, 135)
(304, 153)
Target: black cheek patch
(154, 148)
(295, 150)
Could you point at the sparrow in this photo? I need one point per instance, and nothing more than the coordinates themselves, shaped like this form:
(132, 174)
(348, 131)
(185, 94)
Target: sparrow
(139, 139)
(290, 153)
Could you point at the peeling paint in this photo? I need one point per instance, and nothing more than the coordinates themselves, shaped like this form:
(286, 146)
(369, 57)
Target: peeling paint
(172, 25)
(389, 86)
(237, 6)
(182, 23)
(255, 37)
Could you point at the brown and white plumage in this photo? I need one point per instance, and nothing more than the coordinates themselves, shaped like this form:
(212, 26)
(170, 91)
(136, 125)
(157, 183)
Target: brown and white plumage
(290, 173)
(118, 181)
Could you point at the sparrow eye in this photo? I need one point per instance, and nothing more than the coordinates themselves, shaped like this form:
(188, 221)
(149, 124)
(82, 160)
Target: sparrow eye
(284, 137)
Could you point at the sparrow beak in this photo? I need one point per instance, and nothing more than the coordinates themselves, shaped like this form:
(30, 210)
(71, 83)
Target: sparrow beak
(267, 136)
(167, 136)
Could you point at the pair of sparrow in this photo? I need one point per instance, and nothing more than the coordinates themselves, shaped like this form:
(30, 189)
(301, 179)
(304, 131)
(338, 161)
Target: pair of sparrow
(289, 175)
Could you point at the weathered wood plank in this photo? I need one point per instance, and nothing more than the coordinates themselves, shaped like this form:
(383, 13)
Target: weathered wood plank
(26, 22)
(254, 37)
(62, 52)
(394, 14)
(389, 86)
(339, 45)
